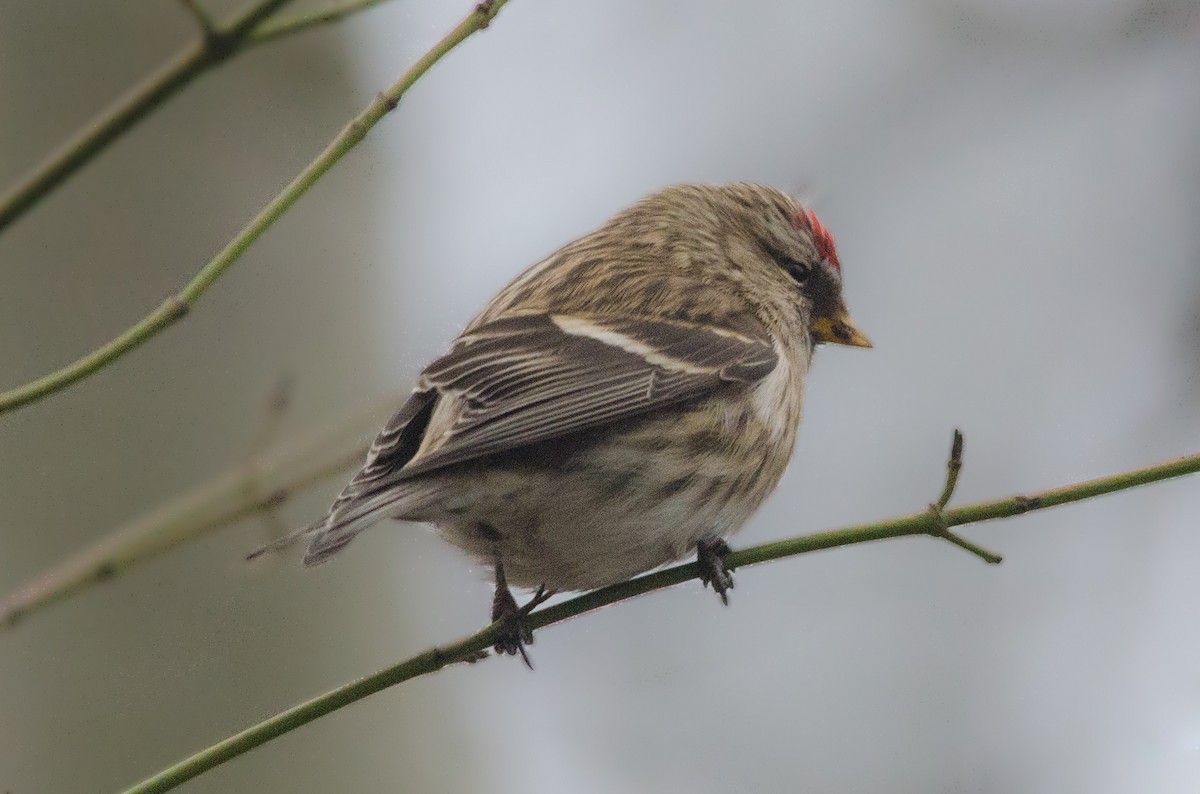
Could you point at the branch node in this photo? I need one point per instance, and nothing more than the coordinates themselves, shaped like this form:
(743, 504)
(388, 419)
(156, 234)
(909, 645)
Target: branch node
(939, 527)
(281, 396)
(273, 500)
(219, 44)
(355, 131)
(1026, 503)
(175, 308)
(388, 101)
(207, 27)
(440, 658)
(487, 10)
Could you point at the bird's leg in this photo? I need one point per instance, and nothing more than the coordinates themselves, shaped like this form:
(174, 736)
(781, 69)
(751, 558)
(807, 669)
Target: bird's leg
(710, 554)
(515, 633)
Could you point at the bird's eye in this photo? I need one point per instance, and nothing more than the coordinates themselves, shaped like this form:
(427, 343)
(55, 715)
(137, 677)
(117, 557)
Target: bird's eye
(797, 270)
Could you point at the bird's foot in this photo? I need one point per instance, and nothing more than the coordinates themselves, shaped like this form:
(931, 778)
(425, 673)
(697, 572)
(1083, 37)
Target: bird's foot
(514, 631)
(710, 554)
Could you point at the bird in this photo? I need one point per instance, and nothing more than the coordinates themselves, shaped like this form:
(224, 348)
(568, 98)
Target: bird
(626, 402)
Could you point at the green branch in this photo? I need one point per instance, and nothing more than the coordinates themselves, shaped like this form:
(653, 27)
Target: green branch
(271, 31)
(933, 522)
(178, 305)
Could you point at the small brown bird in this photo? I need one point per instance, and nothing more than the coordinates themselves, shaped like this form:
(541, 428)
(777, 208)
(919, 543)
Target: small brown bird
(630, 400)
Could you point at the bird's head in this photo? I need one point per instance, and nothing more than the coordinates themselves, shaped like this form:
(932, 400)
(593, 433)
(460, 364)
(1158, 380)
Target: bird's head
(800, 256)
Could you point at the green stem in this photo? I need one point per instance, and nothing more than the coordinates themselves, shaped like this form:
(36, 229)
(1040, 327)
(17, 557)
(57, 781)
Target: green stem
(937, 509)
(470, 648)
(178, 305)
(953, 467)
(302, 22)
(170, 312)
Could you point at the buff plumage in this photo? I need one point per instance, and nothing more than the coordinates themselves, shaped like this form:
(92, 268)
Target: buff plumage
(628, 401)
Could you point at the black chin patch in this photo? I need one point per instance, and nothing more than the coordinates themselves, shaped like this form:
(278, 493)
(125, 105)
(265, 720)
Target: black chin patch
(823, 288)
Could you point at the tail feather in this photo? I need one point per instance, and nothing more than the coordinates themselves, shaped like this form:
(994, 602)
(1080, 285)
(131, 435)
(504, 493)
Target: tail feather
(347, 518)
(295, 536)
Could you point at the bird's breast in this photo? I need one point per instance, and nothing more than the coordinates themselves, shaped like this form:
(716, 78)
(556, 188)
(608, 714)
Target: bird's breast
(779, 397)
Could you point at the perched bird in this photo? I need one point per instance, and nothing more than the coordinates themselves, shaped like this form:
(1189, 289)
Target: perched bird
(628, 401)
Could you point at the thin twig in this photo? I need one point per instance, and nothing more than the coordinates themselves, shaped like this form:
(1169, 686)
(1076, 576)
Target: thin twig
(260, 484)
(268, 430)
(208, 27)
(178, 305)
(471, 648)
(299, 23)
(937, 511)
(953, 467)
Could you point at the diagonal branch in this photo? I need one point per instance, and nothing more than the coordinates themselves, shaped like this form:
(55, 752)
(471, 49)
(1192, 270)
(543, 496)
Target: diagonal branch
(177, 306)
(299, 23)
(473, 647)
(217, 44)
(208, 28)
(256, 486)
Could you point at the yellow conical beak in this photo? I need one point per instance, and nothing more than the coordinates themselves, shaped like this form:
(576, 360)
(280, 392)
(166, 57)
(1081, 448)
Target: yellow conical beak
(839, 330)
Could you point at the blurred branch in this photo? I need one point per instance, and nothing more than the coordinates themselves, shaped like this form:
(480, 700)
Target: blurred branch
(257, 486)
(271, 31)
(207, 26)
(217, 44)
(177, 306)
(474, 647)
(268, 431)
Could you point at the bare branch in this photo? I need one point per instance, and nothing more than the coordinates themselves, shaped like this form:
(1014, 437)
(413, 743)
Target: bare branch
(939, 528)
(259, 485)
(178, 305)
(302, 22)
(472, 648)
(208, 28)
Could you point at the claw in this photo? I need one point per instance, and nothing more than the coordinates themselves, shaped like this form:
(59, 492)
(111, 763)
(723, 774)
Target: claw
(514, 631)
(710, 554)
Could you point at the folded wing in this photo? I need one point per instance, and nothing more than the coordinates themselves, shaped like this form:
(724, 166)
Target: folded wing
(529, 378)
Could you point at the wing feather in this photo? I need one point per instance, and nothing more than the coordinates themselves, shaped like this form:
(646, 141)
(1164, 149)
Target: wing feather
(530, 378)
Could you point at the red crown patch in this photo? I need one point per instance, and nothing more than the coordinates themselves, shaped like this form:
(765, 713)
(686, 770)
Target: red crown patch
(822, 237)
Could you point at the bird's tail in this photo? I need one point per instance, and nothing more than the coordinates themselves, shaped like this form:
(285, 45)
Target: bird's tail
(295, 536)
(351, 516)
(348, 517)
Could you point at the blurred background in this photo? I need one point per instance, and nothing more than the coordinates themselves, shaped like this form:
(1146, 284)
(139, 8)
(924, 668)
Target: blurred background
(1014, 188)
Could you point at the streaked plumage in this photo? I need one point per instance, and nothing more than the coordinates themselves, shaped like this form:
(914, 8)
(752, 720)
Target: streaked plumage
(634, 395)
